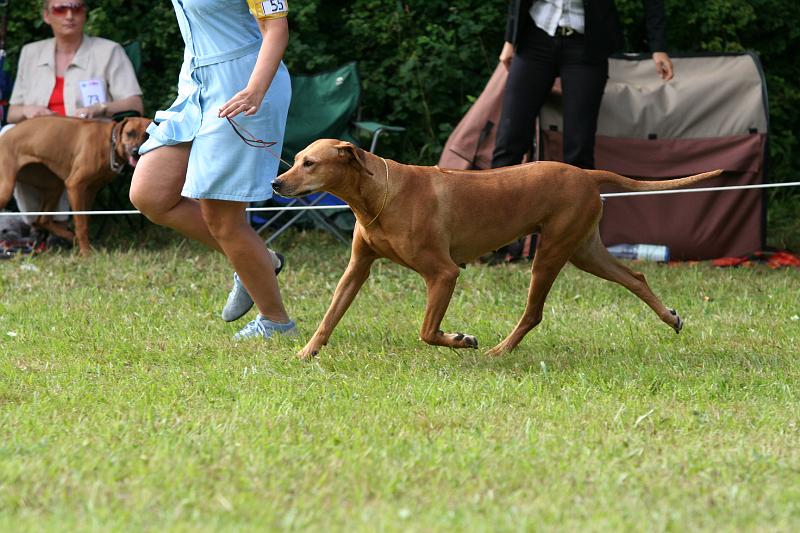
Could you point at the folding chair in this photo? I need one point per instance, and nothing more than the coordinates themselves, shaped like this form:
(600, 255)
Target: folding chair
(324, 105)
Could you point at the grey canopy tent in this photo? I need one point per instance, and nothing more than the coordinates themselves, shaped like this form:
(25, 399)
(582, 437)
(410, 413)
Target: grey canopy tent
(713, 114)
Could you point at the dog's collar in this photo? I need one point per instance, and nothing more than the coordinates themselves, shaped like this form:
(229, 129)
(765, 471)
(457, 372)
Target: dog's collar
(116, 166)
(385, 194)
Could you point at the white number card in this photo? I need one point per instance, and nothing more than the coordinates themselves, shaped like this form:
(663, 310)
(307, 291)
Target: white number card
(272, 7)
(93, 92)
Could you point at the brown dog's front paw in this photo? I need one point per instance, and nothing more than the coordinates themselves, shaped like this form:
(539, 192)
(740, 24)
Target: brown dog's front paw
(308, 352)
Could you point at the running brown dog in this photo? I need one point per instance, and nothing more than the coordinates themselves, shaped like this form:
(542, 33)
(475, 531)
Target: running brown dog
(432, 220)
(82, 154)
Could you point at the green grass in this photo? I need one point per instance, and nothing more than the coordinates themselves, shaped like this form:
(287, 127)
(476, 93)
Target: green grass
(125, 406)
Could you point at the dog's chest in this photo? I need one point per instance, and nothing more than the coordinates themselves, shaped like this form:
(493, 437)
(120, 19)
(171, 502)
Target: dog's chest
(385, 247)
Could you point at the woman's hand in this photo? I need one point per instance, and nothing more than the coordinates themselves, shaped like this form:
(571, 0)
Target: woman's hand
(246, 101)
(33, 111)
(663, 65)
(96, 110)
(507, 54)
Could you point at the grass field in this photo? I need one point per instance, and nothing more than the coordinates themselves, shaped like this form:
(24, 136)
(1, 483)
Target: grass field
(125, 406)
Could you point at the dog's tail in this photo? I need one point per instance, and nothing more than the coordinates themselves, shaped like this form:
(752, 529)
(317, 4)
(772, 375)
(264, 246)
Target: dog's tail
(603, 177)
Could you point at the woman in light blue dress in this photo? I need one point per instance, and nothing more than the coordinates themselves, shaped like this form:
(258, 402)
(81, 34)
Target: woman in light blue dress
(196, 175)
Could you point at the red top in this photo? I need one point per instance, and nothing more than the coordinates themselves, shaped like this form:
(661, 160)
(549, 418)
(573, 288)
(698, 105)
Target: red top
(56, 103)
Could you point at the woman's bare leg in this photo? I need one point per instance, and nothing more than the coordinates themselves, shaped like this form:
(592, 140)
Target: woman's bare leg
(227, 223)
(156, 192)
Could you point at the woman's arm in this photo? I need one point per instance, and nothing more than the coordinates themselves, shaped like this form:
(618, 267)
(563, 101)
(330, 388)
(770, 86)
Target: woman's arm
(18, 110)
(18, 113)
(131, 103)
(656, 24)
(274, 38)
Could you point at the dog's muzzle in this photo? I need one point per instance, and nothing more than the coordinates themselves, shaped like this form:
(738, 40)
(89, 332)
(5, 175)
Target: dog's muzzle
(278, 186)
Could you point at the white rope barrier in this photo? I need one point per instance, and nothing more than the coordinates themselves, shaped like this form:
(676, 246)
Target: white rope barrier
(704, 189)
(322, 207)
(135, 212)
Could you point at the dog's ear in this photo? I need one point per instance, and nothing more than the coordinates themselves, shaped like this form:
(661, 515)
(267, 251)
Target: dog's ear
(356, 155)
(116, 136)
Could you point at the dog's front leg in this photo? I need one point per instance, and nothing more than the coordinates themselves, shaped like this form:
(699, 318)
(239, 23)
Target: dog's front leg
(440, 283)
(357, 272)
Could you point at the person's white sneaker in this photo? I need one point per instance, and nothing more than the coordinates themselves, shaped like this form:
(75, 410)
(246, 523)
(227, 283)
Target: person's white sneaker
(239, 301)
(263, 327)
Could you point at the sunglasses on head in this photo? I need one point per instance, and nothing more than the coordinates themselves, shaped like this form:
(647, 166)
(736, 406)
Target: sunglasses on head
(61, 9)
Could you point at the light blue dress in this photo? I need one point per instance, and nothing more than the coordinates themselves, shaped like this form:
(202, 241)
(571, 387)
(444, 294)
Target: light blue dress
(222, 42)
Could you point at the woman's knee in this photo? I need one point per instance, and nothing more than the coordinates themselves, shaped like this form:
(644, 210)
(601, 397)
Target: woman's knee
(152, 204)
(224, 224)
(158, 180)
(142, 199)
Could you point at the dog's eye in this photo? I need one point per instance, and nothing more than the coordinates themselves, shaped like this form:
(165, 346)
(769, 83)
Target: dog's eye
(307, 163)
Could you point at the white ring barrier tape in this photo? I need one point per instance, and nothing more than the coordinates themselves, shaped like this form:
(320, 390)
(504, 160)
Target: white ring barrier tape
(135, 212)
(704, 189)
(321, 207)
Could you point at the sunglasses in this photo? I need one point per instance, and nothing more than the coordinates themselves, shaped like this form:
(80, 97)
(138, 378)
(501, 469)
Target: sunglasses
(251, 140)
(248, 138)
(61, 9)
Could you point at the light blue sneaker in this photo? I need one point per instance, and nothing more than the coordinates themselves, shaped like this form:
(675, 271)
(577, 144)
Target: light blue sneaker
(239, 301)
(263, 327)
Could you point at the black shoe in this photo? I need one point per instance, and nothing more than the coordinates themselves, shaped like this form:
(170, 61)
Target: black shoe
(54, 242)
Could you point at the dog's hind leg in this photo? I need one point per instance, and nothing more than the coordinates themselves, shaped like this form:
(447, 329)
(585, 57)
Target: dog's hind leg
(441, 281)
(593, 257)
(550, 257)
(8, 176)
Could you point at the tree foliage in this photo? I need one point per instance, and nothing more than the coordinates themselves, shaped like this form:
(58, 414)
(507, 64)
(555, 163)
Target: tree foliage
(424, 62)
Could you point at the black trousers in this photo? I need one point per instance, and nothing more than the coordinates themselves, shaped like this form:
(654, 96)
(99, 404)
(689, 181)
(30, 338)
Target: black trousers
(538, 60)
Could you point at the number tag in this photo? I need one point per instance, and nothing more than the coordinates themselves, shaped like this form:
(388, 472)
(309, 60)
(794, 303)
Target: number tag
(273, 7)
(93, 92)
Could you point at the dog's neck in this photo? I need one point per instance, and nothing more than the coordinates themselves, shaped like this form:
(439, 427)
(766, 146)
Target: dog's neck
(376, 188)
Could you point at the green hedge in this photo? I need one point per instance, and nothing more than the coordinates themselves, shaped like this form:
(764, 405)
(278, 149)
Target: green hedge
(424, 62)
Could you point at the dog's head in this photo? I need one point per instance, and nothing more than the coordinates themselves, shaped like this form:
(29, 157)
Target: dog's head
(325, 165)
(130, 134)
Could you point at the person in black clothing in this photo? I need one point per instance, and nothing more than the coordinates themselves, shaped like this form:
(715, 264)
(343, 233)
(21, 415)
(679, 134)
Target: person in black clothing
(571, 39)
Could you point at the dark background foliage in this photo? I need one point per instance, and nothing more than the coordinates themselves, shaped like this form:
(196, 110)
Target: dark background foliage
(423, 63)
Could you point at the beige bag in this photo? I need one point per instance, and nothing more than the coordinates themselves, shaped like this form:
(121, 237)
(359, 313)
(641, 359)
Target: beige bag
(471, 144)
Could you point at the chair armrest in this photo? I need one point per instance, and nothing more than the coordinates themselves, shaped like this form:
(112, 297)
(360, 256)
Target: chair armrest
(375, 129)
(372, 127)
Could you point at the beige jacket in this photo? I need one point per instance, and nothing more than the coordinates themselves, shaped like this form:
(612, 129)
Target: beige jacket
(96, 59)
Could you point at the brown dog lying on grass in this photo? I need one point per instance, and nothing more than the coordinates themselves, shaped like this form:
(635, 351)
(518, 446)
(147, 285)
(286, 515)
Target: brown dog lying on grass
(432, 220)
(81, 156)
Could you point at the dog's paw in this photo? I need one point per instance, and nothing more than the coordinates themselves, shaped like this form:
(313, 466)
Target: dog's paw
(678, 325)
(467, 341)
(497, 351)
(308, 352)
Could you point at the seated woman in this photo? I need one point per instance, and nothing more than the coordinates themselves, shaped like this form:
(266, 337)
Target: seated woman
(71, 74)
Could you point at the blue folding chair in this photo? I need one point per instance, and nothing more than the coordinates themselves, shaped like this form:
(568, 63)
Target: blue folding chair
(324, 105)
